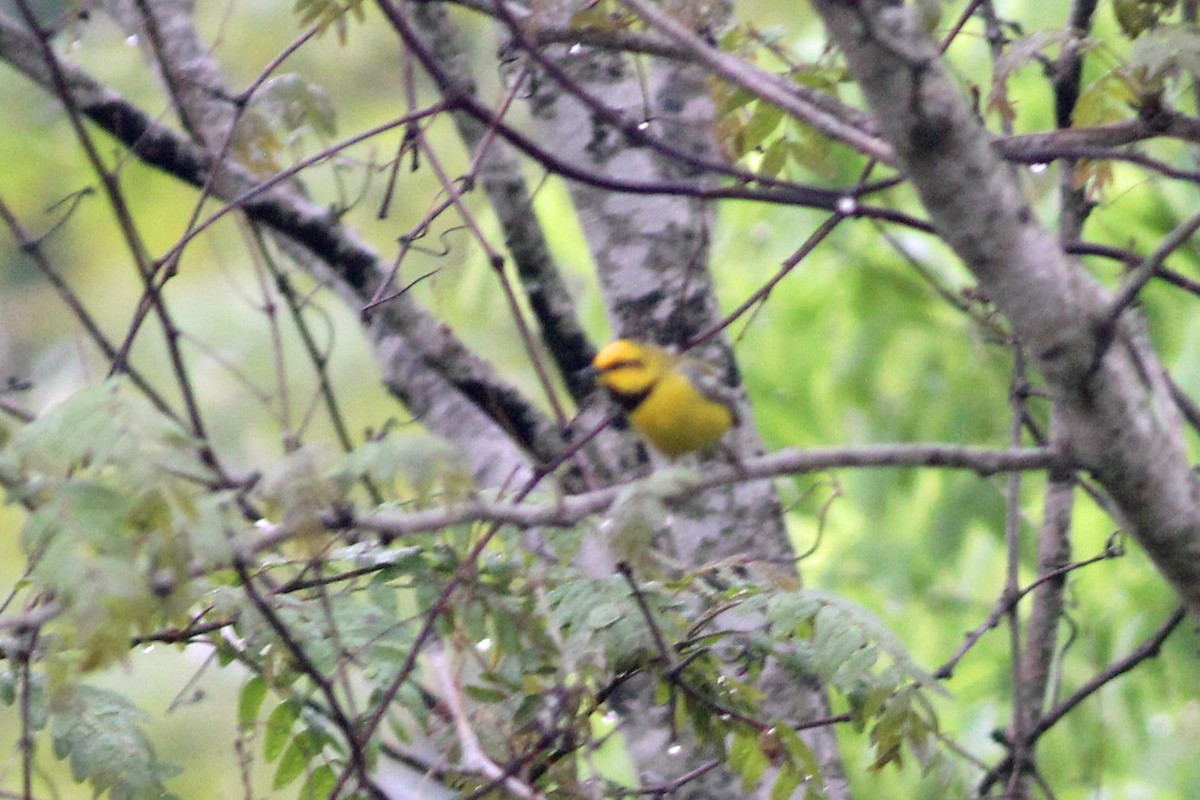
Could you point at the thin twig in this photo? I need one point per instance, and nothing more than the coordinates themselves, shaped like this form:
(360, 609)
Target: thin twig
(1012, 585)
(358, 761)
(1146, 270)
(1148, 649)
(474, 759)
(1001, 608)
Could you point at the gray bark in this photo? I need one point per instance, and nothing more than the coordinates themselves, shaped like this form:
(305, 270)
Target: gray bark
(1113, 401)
(651, 254)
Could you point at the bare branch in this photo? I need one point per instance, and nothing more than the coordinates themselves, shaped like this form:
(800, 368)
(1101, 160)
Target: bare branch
(572, 510)
(1148, 649)
(474, 759)
(822, 112)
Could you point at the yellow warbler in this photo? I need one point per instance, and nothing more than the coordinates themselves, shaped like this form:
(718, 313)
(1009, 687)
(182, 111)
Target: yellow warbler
(675, 402)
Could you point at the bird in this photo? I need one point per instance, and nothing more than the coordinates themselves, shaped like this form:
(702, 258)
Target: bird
(675, 402)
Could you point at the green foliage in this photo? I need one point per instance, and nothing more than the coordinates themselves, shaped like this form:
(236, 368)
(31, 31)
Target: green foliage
(295, 738)
(1167, 51)
(105, 428)
(1138, 16)
(772, 144)
(604, 15)
(100, 734)
(250, 701)
(537, 648)
(414, 466)
(600, 624)
(121, 519)
(1022, 52)
(318, 784)
(281, 112)
(299, 754)
(759, 133)
(1109, 98)
(278, 728)
(298, 487)
(855, 654)
(256, 145)
(298, 105)
(636, 517)
(326, 13)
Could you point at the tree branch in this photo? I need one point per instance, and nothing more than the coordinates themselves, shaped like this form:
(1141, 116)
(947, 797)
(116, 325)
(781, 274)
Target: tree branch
(1120, 420)
(568, 511)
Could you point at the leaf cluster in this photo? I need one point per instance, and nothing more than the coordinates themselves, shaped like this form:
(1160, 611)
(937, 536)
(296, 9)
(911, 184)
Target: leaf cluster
(98, 732)
(123, 514)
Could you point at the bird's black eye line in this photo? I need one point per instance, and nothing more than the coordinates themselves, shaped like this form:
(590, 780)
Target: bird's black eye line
(627, 363)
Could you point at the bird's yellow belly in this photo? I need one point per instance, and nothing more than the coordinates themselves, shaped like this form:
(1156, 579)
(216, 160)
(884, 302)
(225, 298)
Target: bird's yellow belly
(677, 418)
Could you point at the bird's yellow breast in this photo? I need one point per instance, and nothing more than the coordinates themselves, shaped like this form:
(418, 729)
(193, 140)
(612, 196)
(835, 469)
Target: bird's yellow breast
(678, 418)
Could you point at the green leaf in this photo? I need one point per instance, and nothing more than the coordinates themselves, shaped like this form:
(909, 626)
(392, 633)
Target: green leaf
(811, 150)
(733, 98)
(603, 616)
(256, 145)
(84, 515)
(1138, 16)
(107, 426)
(297, 104)
(12, 478)
(295, 760)
(279, 728)
(801, 755)
(99, 733)
(834, 641)
(510, 630)
(208, 527)
(329, 12)
(86, 540)
(786, 783)
(250, 701)
(1165, 50)
(856, 666)
(633, 520)
(319, 784)
(486, 694)
(874, 630)
(764, 121)
(747, 758)
(774, 158)
(297, 488)
(1021, 52)
(10, 684)
(788, 611)
(411, 464)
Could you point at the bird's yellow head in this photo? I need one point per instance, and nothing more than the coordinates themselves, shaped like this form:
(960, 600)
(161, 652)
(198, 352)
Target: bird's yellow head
(628, 368)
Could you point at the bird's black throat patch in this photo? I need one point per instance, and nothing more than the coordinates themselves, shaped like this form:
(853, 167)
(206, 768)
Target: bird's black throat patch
(628, 401)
